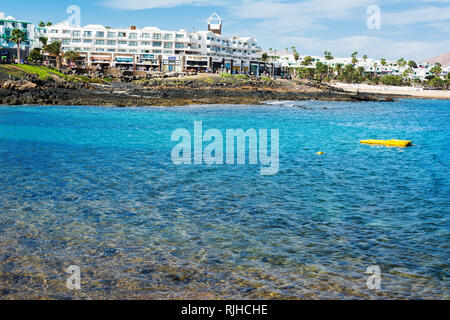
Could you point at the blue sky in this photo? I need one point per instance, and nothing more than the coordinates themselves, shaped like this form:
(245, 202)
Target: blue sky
(416, 29)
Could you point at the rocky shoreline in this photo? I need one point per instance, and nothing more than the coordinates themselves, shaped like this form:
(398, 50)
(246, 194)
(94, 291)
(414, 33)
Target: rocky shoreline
(175, 92)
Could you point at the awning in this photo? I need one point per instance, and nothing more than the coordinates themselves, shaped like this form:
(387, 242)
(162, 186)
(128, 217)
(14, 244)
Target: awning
(119, 59)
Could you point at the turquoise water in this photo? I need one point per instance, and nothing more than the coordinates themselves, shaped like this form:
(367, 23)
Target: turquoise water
(96, 187)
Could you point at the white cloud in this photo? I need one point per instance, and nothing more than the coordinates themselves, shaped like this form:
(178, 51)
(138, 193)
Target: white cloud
(375, 47)
(415, 16)
(282, 23)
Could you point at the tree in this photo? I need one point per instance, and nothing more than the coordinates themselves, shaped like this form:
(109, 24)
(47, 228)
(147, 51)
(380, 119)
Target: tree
(365, 57)
(408, 72)
(328, 55)
(437, 70)
(383, 62)
(49, 24)
(296, 56)
(264, 57)
(35, 55)
(321, 69)
(54, 50)
(354, 59)
(18, 36)
(339, 68)
(73, 56)
(41, 24)
(412, 64)
(44, 41)
(307, 61)
(401, 62)
(436, 82)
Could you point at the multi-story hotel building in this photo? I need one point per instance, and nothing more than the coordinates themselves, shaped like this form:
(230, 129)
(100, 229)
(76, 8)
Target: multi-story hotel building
(8, 47)
(151, 48)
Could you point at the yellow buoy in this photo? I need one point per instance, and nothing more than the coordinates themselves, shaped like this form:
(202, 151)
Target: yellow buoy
(320, 152)
(389, 143)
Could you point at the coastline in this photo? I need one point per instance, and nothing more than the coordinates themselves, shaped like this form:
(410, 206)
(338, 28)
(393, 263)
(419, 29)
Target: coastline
(168, 93)
(404, 92)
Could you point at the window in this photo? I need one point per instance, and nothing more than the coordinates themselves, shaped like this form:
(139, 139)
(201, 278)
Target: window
(146, 43)
(122, 50)
(168, 45)
(157, 44)
(87, 33)
(167, 52)
(133, 43)
(145, 35)
(167, 37)
(77, 49)
(111, 42)
(180, 36)
(100, 42)
(76, 40)
(132, 51)
(66, 32)
(122, 34)
(53, 31)
(111, 35)
(156, 51)
(157, 36)
(111, 50)
(87, 41)
(133, 35)
(122, 43)
(179, 45)
(76, 34)
(99, 34)
(99, 49)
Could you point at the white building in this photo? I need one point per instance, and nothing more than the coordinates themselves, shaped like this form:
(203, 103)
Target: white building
(151, 48)
(370, 65)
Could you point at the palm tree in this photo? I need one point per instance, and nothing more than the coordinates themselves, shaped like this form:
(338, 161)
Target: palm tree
(17, 37)
(44, 41)
(354, 59)
(412, 64)
(54, 50)
(41, 24)
(383, 62)
(307, 61)
(437, 69)
(401, 62)
(73, 56)
(264, 57)
(328, 55)
(365, 57)
(296, 56)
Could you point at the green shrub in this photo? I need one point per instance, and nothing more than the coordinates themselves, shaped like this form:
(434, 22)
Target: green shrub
(226, 75)
(392, 80)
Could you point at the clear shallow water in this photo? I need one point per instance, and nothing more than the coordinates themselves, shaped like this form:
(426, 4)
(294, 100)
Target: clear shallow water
(95, 187)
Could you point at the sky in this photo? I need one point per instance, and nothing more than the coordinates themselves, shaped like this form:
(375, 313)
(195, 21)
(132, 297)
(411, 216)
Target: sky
(410, 29)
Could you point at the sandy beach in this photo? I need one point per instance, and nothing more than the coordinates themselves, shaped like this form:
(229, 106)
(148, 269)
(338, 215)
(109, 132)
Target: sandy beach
(392, 90)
